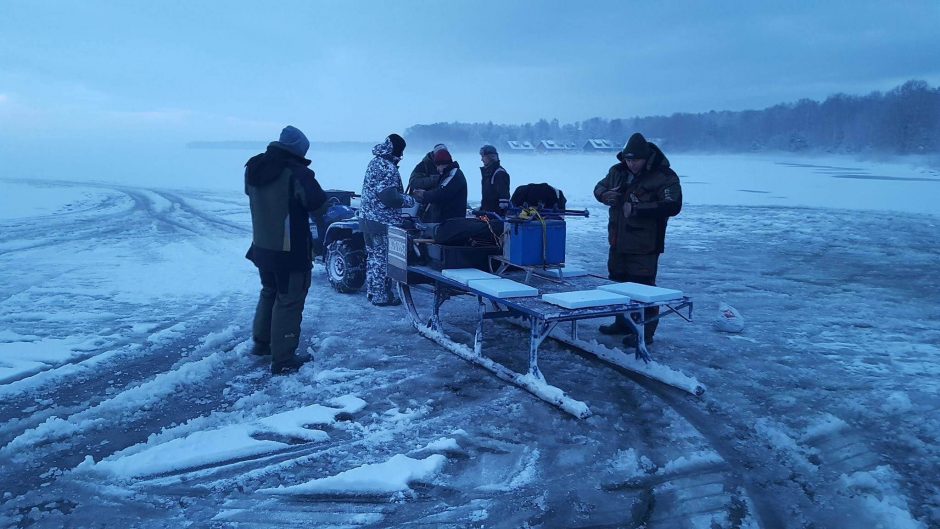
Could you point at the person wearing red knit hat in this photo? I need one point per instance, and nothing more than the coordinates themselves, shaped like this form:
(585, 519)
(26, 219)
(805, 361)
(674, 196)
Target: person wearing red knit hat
(447, 199)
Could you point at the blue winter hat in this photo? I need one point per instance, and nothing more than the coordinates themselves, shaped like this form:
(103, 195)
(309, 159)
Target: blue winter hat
(487, 149)
(294, 141)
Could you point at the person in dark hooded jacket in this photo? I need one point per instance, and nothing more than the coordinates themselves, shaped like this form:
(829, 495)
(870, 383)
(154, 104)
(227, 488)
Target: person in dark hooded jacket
(382, 199)
(642, 192)
(425, 176)
(282, 193)
(448, 199)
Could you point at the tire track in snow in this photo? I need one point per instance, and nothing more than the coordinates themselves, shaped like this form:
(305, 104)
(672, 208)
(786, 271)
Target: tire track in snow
(85, 381)
(114, 219)
(124, 419)
(182, 207)
(725, 437)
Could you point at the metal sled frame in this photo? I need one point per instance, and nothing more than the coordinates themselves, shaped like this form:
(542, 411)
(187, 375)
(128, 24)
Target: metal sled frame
(543, 321)
(499, 265)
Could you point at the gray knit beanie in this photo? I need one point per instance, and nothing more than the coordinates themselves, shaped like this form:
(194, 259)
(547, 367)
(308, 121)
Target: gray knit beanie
(294, 141)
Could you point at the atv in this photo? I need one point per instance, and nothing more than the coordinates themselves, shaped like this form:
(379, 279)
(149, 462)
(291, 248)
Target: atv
(339, 243)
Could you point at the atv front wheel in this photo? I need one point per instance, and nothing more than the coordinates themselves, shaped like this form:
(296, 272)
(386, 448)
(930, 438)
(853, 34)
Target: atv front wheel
(345, 266)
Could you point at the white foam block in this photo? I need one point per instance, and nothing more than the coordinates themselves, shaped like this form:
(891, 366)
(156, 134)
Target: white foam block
(568, 271)
(462, 275)
(504, 288)
(580, 299)
(644, 293)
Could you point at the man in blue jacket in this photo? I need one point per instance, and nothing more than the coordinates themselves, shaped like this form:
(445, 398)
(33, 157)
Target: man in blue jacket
(282, 192)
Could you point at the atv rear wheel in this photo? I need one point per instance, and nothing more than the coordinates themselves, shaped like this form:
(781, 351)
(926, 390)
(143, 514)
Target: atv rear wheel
(345, 266)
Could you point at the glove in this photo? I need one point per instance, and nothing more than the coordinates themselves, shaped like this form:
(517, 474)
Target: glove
(418, 194)
(610, 198)
(391, 197)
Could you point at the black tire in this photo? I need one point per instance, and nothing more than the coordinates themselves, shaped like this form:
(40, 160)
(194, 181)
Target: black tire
(345, 266)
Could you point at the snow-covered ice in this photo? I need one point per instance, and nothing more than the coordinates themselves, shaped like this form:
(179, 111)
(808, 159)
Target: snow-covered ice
(389, 476)
(129, 397)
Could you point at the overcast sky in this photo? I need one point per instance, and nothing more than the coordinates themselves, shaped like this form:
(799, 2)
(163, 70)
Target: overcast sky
(200, 70)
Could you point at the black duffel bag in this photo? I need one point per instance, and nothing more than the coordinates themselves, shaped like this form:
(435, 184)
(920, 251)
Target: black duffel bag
(468, 232)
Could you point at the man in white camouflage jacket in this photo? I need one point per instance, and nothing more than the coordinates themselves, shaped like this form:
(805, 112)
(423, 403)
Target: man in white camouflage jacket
(383, 196)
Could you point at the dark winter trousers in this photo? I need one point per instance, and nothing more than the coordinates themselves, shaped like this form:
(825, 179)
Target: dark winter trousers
(624, 267)
(279, 312)
(378, 285)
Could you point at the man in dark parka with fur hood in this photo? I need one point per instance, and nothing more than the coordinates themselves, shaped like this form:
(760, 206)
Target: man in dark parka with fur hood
(642, 192)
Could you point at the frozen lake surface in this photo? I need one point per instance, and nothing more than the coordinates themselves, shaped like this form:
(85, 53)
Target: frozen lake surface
(129, 399)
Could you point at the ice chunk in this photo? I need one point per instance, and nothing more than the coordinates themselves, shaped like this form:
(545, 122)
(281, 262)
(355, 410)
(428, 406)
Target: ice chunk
(504, 288)
(463, 275)
(644, 293)
(391, 476)
(580, 299)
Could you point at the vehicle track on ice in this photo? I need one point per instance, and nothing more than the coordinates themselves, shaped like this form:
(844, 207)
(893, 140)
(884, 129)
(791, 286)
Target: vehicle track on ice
(114, 218)
(94, 402)
(85, 381)
(108, 422)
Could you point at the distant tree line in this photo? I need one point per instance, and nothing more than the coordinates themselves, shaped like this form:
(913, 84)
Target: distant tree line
(905, 120)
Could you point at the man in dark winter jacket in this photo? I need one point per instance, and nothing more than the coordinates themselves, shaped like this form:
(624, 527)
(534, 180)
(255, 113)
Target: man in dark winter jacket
(282, 192)
(448, 199)
(382, 199)
(642, 192)
(495, 183)
(425, 176)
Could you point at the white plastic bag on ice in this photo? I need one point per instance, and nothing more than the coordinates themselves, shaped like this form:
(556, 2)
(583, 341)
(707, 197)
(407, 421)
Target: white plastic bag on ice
(729, 319)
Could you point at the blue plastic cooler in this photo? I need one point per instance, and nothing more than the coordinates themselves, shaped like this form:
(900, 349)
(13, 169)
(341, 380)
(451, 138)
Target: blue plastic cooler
(524, 242)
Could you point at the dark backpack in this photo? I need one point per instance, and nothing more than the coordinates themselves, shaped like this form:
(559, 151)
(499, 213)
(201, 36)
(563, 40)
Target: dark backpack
(542, 196)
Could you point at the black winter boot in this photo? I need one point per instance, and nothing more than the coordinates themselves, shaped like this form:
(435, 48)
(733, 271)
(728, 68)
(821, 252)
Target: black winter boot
(619, 326)
(630, 341)
(261, 349)
(290, 366)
